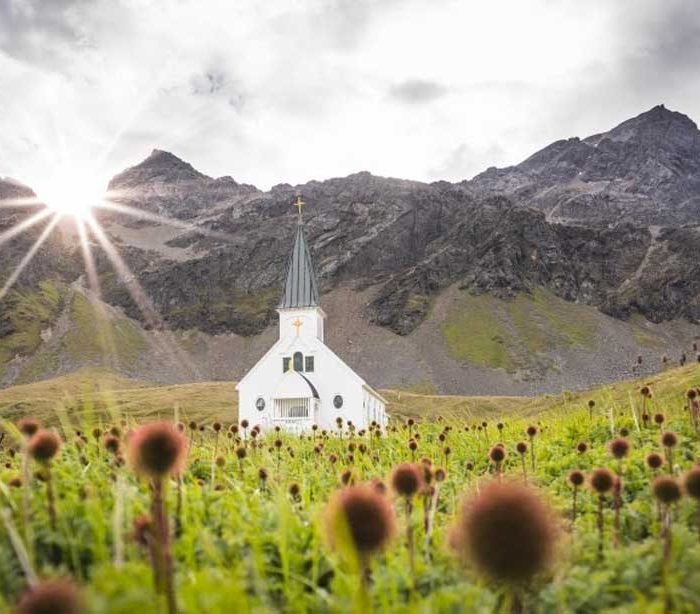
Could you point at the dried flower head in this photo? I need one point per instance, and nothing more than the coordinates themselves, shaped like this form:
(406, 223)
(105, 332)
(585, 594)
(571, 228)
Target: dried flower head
(295, 491)
(44, 445)
(691, 483)
(659, 418)
(619, 447)
(654, 460)
(497, 454)
(28, 426)
(582, 447)
(666, 489)
(157, 449)
(669, 439)
(576, 478)
(362, 514)
(602, 480)
(531, 431)
(112, 443)
(521, 447)
(51, 597)
(507, 531)
(407, 479)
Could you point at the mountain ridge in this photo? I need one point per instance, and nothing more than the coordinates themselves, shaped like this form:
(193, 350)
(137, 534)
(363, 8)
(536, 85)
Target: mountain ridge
(607, 221)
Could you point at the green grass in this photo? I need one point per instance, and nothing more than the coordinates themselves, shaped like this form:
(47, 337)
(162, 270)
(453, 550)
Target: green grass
(245, 548)
(25, 314)
(511, 335)
(92, 337)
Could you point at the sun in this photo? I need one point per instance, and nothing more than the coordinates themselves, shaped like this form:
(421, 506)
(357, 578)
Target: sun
(72, 194)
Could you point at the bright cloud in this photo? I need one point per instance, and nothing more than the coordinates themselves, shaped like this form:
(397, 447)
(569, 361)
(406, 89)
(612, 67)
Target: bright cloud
(290, 91)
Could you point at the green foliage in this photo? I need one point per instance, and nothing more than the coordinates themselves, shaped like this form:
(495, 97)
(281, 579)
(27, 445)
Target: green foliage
(245, 546)
(513, 334)
(92, 336)
(24, 314)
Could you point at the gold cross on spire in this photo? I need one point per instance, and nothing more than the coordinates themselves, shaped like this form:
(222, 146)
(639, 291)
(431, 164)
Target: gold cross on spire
(299, 204)
(297, 324)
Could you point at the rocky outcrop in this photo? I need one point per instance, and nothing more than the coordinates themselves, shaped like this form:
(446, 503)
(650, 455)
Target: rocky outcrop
(610, 220)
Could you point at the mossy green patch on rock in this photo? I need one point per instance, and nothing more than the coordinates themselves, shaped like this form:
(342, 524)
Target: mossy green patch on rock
(516, 334)
(92, 337)
(475, 331)
(24, 314)
(246, 313)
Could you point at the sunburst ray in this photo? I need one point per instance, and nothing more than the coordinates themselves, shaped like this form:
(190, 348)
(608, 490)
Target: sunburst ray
(26, 224)
(29, 256)
(143, 302)
(110, 205)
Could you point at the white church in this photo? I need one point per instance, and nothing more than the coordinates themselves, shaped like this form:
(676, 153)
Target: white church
(300, 381)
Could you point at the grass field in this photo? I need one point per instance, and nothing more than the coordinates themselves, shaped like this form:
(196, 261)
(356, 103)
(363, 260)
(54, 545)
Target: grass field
(97, 389)
(243, 544)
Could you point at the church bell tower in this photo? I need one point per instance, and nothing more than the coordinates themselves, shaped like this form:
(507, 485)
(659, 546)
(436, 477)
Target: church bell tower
(299, 309)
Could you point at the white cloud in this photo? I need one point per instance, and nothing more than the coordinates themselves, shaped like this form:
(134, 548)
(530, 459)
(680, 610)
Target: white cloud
(289, 91)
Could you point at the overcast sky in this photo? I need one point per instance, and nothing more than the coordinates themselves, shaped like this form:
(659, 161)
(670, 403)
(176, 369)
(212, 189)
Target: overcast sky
(289, 91)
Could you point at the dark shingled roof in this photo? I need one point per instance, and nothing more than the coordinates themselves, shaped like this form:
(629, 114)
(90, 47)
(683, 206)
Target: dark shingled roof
(301, 289)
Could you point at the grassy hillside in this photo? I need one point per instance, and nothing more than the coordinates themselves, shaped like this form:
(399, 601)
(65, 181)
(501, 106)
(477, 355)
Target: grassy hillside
(24, 314)
(512, 334)
(99, 390)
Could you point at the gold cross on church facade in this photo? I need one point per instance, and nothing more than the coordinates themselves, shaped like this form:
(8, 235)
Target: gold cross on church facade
(297, 324)
(299, 204)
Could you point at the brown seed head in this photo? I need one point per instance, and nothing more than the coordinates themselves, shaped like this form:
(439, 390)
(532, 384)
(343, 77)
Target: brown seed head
(521, 447)
(44, 445)
(602, 480)
(507, 531)
(51, 597)
(364, 515)
(619, 447)
(654, 460)
(497, 454)
(157, 449)
(669, 439)
(407, 479)
(576, 478)
(666, 489)
(582, 447)
(691, 483)
(28, 426)
(531, 431)
(112, 443)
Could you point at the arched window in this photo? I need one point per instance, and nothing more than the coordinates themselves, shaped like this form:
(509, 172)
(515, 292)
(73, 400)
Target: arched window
(298, 361)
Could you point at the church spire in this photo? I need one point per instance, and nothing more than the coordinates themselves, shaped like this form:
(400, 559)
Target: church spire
(300, 289)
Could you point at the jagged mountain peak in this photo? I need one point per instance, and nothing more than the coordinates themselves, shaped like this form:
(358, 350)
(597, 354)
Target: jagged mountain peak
(160, 165)
(658, 126)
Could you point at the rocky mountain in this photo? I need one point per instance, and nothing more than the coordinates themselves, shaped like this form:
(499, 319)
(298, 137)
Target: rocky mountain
(536, 266)
(644, 171)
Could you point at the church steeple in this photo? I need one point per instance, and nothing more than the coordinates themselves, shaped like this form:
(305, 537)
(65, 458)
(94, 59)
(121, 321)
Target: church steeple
(300, 289)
